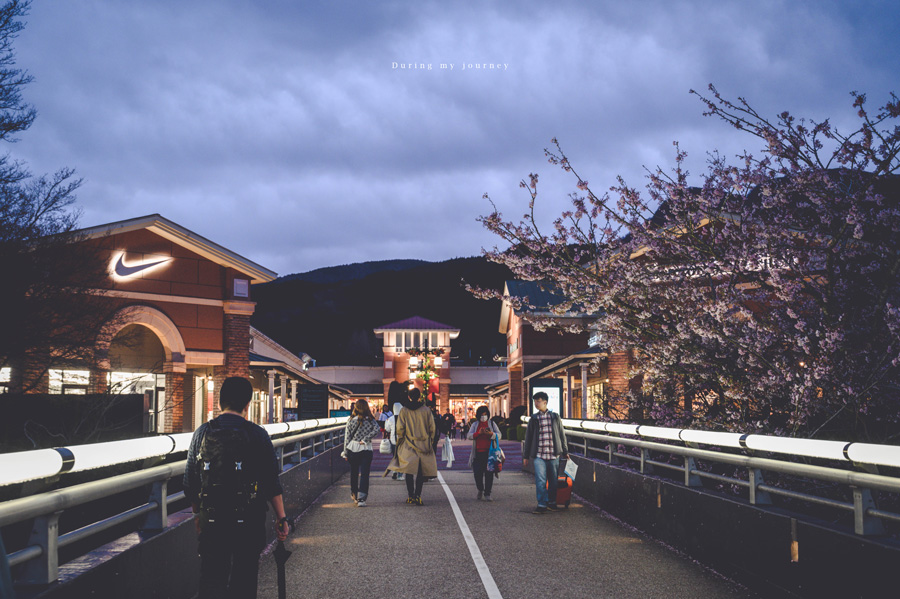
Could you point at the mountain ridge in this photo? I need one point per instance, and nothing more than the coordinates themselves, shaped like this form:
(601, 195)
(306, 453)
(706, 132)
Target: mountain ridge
(353, 271)
(330, 313)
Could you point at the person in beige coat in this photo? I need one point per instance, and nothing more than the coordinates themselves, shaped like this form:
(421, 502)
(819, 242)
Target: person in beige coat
(415, 450)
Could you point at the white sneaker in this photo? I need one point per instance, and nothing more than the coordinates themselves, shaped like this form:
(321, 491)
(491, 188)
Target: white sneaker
(361, 503)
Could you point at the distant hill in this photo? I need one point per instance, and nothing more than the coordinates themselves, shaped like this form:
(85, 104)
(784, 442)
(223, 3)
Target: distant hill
(350, 272)
(330, 313)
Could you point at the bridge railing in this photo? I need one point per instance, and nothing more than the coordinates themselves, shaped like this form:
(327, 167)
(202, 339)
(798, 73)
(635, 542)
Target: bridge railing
(40, 556)
(604, 439)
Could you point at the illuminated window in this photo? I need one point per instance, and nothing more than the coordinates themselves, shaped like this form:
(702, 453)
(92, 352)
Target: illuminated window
(135, 382)
(70, 382)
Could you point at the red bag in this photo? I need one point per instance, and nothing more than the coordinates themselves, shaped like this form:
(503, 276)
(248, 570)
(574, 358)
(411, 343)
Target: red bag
(563, 490)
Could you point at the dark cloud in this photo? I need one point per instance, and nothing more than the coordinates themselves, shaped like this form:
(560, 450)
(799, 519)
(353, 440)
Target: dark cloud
(288, 132)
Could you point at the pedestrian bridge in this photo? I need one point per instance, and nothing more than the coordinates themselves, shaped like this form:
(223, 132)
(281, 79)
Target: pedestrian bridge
(656, 513)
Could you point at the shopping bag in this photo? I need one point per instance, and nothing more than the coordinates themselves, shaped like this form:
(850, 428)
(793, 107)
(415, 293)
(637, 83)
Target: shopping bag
(447, 452)
(495, 457)
(385, 446)
(571, 468)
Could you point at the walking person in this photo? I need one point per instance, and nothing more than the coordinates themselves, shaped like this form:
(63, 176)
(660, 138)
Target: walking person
(361, 429)
(483, 431)
(390, 433)
(384, 416)
(231, 473)
(545, 443)
(415, 451)
(438, 428)
(397, 398)
(449, 424)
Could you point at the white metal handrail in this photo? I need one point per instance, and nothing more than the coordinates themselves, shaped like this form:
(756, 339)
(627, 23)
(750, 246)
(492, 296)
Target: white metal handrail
(41, 553)
(867, 517)
(844, 451)
(23, 466)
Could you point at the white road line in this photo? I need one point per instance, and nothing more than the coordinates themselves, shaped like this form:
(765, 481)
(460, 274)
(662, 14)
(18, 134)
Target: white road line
(486, 579)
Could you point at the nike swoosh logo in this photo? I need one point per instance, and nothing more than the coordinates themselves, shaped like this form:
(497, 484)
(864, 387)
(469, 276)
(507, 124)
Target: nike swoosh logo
(123, 270)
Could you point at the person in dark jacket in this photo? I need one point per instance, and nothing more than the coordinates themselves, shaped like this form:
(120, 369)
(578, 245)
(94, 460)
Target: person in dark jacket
(438, 427)
(545, 443)
(229, 548)
(449, 424)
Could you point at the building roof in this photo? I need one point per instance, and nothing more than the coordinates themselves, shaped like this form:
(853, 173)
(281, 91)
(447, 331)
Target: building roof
(269, 363)
(471, 390)
(364, 388)
(468, 389)
(541, 297)
(497, 388)
(187, 239)
(585, 355)
(416, 323)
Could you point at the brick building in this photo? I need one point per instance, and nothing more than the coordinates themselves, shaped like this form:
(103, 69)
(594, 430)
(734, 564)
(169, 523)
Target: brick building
(527, 349)
(181, 326)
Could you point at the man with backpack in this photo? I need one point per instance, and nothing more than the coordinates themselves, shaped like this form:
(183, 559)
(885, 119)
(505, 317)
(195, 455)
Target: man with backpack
(231, 474)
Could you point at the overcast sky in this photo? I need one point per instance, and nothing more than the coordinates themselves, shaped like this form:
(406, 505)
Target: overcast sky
(286, 131)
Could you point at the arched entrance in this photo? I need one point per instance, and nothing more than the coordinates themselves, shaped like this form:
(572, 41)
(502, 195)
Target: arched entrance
(142, 349)
(136, 359)
(156, 321)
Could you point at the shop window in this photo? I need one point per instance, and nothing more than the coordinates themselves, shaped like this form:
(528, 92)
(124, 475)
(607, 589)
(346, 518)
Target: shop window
(597, 399)
(5, 376)
(71, 382)
(135, 382)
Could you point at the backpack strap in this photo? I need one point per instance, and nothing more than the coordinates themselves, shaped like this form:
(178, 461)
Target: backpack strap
(212, 424)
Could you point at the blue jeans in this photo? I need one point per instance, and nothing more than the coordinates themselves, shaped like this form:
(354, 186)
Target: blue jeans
(544, 472)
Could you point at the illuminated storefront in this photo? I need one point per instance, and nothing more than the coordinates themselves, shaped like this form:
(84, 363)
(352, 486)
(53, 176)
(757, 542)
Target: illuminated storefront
(181, 325)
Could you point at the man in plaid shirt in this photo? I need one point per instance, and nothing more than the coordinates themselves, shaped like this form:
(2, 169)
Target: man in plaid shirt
(545, 443)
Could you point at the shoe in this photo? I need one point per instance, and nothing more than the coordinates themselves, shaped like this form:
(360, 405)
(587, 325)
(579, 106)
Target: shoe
(480, 495)
(552, 507)
(488, 498)
(394, 476)
(539, 510)
(411, 501)
(361, 503)
(419, 501)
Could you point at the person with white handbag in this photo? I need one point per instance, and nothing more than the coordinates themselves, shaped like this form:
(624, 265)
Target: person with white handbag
(361, 429)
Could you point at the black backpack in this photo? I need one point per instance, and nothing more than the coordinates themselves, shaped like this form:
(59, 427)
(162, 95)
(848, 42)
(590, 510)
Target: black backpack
(227, 485)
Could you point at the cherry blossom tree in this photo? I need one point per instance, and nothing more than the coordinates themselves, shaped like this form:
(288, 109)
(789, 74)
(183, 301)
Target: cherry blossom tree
(762, 296)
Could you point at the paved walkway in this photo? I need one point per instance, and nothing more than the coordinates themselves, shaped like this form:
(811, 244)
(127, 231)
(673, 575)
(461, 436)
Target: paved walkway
(455, 547)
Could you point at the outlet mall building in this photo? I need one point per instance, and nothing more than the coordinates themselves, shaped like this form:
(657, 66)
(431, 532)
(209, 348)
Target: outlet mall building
(182, 325)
